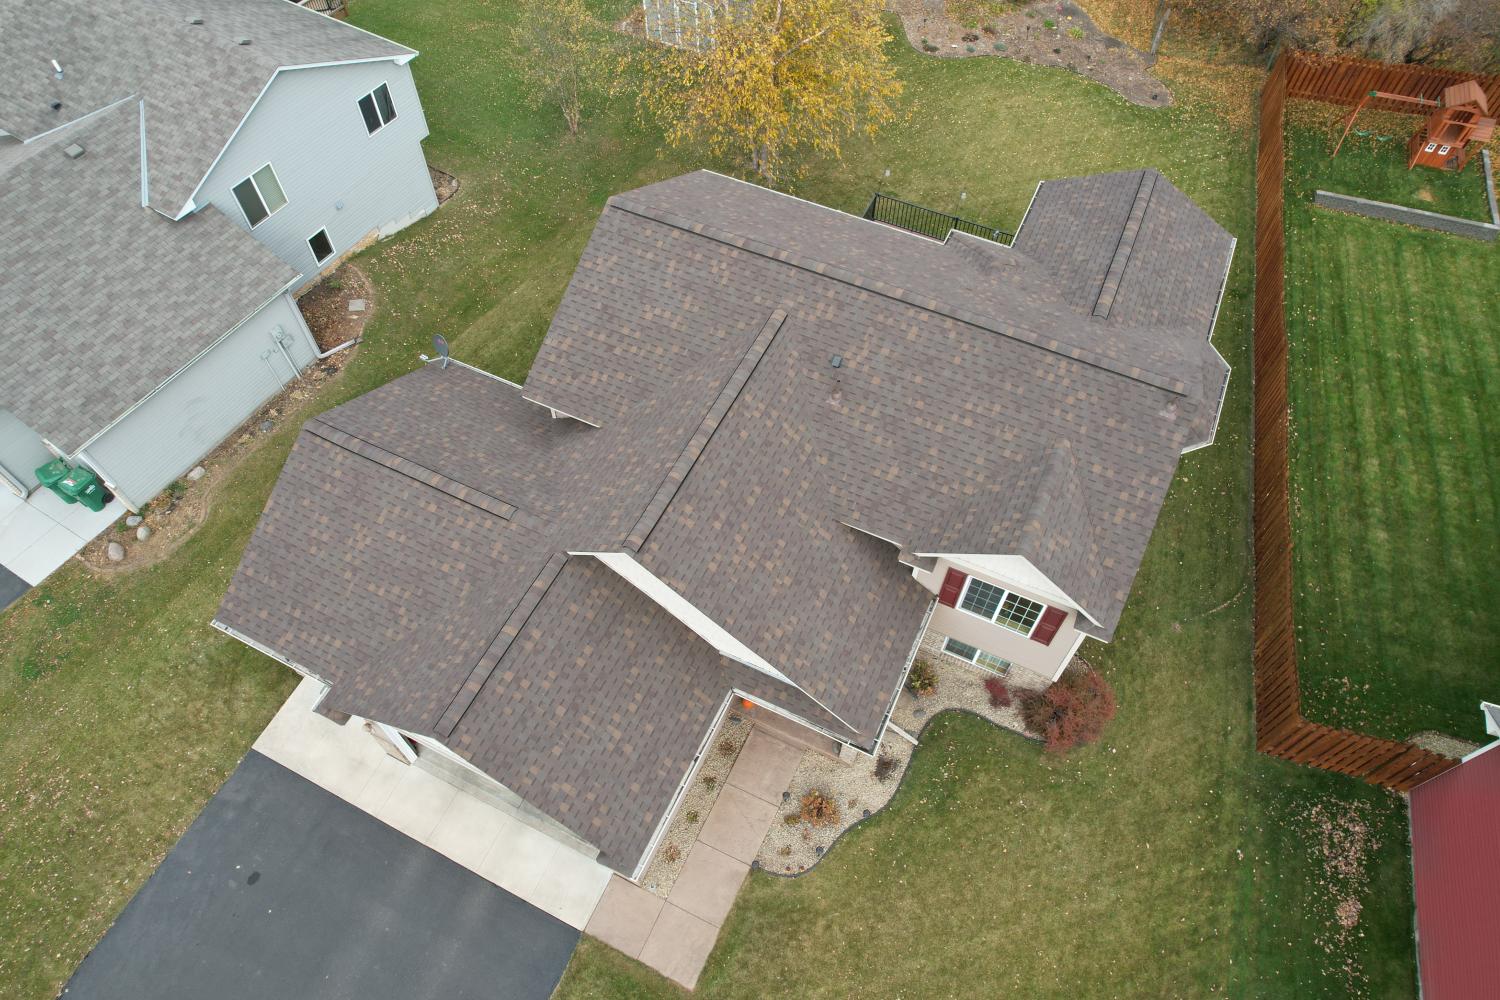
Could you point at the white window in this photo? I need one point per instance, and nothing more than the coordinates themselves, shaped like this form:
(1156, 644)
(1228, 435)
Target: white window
(973, 654)
(260, 195)
(995, 604)
(320, 245)
(377, 109)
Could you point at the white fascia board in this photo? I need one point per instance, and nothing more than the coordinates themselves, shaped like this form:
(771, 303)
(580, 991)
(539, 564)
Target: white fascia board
(1015, 569)
(678, 607)
(559, 413)
(192, 202)
(1228, 368)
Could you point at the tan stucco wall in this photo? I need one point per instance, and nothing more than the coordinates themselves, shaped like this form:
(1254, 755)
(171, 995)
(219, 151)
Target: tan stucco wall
(996, 639)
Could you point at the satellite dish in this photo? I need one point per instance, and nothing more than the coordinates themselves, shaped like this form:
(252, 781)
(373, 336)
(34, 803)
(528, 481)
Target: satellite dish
(440, 345)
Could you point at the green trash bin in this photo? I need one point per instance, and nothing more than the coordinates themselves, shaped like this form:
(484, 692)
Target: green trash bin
(53, 473)
(84, 487)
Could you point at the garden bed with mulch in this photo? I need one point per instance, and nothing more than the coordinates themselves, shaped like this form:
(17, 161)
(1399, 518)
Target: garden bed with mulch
(1041, 33)
(692, 812)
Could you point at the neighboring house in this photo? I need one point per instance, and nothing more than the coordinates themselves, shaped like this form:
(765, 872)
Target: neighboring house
(169, 172)
(1455, 853)
(767, 451)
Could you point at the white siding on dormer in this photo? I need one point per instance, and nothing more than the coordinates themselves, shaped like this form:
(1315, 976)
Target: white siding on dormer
(307, 125)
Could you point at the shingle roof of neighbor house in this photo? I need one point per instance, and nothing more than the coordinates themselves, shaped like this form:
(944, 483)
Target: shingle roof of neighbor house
(414, 552)
(1455, 855)
(104, 299)
(197, 80)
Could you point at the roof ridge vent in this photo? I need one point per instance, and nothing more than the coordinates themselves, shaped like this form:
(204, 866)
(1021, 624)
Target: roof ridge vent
(195, 20)
(242, 41)
(1116, 271)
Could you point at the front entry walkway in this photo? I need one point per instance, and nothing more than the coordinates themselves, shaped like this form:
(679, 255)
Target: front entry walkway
(675, 935)
(494, 845)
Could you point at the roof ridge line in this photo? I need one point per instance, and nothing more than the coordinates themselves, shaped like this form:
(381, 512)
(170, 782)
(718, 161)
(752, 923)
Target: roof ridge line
(1115, 273)
(1020, 334)
(412, 470)
(484, 668)
(688, 457)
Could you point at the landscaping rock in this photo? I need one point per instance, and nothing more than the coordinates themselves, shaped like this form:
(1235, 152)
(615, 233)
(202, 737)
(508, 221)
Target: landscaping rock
(116, 552)
(133, 520)
(142, 533)
(197, 473)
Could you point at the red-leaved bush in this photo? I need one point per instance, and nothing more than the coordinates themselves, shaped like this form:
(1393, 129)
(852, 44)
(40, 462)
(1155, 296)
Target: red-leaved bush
(999, 693)
(1071, 712)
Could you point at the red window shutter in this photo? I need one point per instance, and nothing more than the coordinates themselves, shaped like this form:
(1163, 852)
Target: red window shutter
(953, 585)
(1052, 620)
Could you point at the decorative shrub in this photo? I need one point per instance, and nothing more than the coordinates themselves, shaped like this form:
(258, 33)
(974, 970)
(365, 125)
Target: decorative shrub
(709, 782)
(999, 693)
(792, 819)
(1075, 33)
(968, 48)
(929, 47)
(671, 853)
(819, 810)
(1071, 712)
(999, 46)
(1050, 24)
(922, 680)
(728, 747)
(990, 29)
(885, 766)
(970, 36)
(692, 816)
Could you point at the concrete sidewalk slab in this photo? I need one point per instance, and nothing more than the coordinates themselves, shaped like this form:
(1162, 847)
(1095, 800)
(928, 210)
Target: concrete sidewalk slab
(765, 766)
(708, 883)
(680, 945)
(737, 823)
(625, 916)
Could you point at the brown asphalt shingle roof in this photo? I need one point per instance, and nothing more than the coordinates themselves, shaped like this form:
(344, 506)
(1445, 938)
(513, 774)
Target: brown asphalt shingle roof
(979, 405)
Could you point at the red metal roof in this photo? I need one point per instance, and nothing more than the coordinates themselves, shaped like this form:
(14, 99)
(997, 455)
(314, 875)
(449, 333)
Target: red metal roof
(1455, 849)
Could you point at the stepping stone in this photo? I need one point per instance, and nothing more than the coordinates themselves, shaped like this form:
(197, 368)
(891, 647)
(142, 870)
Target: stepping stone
(356, 305)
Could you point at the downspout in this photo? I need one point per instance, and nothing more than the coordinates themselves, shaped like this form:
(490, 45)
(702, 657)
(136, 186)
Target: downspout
(334, 350)
(14, 483)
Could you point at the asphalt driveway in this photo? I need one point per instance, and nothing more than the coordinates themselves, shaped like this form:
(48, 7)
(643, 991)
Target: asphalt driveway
(280, 889)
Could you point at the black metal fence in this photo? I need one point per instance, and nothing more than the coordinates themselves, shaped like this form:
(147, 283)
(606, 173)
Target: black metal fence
(926, 221)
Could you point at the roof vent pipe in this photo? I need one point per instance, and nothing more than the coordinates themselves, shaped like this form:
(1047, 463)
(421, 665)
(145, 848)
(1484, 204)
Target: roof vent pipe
(57, 73)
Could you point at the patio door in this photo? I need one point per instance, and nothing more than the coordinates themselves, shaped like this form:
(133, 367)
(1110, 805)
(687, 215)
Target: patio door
(21, 451)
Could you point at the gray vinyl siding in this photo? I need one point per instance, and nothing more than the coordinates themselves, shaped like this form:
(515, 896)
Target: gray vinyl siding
(191, 413)
(21, 450)
(307, 125)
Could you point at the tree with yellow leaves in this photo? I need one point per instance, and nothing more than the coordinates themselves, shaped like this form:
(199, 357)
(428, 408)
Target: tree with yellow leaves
(769, 79)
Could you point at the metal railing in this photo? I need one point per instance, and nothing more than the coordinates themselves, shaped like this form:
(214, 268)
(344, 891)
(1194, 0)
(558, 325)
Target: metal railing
(926, 221)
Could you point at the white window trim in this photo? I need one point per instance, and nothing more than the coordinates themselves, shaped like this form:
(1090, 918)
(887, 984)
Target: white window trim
(975, 662)
(1005, 592)
(371, 95)
(333, 250)
(286, 198)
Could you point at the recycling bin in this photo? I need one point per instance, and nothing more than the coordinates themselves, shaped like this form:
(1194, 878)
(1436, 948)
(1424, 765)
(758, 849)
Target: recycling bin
(53, 473)
(84, 487)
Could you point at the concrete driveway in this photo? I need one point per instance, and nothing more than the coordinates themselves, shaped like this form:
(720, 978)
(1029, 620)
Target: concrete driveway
(280, 889)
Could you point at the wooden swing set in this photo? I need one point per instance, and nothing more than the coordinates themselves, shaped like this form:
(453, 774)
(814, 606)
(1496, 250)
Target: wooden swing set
(1458, 120)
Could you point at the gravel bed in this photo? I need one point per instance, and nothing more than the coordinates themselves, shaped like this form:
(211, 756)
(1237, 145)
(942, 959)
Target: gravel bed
(792, 848)
(958, 686)
(692, 812)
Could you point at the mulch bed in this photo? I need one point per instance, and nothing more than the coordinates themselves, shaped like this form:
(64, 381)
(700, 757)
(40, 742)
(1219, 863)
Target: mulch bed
(1073, 42)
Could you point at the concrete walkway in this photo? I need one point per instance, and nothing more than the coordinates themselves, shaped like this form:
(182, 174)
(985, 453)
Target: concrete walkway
(675, 935)
(40, 533)
(348, 762)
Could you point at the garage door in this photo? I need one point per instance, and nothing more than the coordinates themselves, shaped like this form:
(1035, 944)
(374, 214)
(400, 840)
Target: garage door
(21, 451)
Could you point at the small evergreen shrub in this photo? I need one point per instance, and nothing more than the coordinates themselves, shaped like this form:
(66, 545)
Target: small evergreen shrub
(922, 680)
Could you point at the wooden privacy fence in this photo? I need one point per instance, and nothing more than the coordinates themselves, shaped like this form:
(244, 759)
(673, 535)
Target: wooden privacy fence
(1280, 729)
(1336, 80)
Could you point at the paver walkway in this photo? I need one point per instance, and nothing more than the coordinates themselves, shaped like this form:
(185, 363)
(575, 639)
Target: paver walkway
(346, 761)
(675, 935)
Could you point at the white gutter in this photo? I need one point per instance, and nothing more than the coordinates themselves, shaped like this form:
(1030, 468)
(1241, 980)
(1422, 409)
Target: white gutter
(145, 186)
(1229, 369)
(687, 779)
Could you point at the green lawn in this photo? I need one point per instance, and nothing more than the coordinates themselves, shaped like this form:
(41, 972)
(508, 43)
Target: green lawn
(1374, 166)
(1169, 861)
(1395, 476)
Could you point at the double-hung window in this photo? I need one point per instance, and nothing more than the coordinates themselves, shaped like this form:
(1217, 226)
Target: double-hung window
(995, 604)
(260, 195)
(974, 654)
(377, 109)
